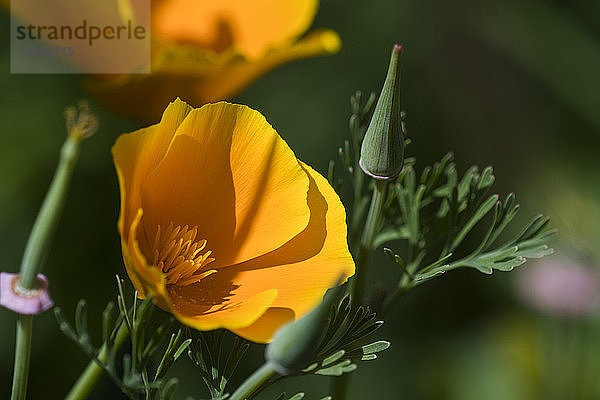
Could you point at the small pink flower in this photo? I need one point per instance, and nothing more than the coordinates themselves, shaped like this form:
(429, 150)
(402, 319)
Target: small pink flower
(23, 301)
(561, 286)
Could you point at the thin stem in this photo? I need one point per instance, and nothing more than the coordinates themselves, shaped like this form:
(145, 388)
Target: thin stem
(406, 283)
(340, 384)
(35, 252)
(47, 220)
(253, 383)
(22, 351)
(146, 384)
(358, 188)
(88, 379)
(265, 385)
(366, 243)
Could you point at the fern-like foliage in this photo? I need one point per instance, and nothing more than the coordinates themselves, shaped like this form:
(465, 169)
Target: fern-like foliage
(431, 214)
(435, 212)
(216, 368)
(133, 373)
(347, 340)
(348, 156)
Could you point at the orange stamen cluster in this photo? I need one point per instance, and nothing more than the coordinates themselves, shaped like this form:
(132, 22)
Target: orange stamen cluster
(179, 255)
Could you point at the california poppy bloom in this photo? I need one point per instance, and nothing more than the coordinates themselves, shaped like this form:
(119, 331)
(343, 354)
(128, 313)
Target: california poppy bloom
(206, 51)
(223, 225)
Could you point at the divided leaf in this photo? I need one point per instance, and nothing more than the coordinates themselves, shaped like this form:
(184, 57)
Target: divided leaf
(131, 373)
(436, 215)
(206, 352)
(346, 340)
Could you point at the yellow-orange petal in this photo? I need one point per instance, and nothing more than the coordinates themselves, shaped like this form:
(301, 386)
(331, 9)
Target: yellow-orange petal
(199, 312)
(304, 268)
(261, 331)
(136, 155)
(198, 76)
(146, 279)
(238, 73)
(251, 26)
(228, 173)
(131, 260)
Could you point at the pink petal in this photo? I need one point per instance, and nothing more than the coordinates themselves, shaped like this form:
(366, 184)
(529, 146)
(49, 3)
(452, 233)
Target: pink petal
(23, 301)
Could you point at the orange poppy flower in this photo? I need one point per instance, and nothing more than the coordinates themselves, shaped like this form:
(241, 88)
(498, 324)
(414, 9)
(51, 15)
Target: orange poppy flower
(223, 225)
(205, 51)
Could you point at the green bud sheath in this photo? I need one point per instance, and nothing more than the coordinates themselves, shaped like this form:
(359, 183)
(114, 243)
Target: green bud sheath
(382, 150)
(295, 344)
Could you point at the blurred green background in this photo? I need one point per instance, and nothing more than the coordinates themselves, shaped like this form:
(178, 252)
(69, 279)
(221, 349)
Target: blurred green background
(514, 84)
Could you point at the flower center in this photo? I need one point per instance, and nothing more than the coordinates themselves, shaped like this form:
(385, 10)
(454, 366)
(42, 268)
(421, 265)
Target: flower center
(180, 256)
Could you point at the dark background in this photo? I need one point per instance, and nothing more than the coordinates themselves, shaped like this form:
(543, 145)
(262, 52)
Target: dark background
(514, 84)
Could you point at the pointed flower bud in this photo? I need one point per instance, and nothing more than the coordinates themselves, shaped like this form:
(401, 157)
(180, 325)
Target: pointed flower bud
(295, 344)
(382, 150)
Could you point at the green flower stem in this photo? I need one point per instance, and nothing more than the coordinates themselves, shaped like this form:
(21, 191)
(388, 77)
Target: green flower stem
(253, 383)
(340, 384)
(35, 252)
(22, 351)
(366, 243)
(406, 284)
(358, 188)
(88, 379)
(49, 215)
